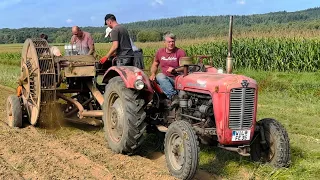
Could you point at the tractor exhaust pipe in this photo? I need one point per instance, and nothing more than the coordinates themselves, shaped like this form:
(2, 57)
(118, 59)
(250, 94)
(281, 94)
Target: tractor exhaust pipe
(229, 58)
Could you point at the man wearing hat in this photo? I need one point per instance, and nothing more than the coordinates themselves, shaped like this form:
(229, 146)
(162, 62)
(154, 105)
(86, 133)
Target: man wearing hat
(134, 47)
(121, 44)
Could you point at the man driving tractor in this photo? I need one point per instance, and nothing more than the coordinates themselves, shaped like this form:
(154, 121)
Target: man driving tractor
(168, 59)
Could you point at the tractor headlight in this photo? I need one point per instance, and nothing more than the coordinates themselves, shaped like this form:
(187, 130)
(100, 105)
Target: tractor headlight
(139, 84)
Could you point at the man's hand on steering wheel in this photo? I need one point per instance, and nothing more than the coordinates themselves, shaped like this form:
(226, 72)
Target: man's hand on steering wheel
(179, 70)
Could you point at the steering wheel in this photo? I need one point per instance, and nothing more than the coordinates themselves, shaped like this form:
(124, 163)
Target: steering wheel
(191, 68)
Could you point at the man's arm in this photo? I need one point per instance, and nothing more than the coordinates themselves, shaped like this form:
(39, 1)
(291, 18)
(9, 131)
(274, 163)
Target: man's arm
(114, 35)
(91, 51)
(154, 69)
(113, 49)
(179, 69)
(72, 40)
(91, 45)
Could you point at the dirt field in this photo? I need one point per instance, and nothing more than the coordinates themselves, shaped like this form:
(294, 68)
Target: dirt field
(70, 152)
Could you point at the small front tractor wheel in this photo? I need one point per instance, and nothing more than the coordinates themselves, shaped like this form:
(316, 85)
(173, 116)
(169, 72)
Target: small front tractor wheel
(123, 117)
(181, 150)
(14, 111)
(276, 150)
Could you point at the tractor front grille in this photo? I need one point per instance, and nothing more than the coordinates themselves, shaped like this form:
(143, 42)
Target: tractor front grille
(241, 108)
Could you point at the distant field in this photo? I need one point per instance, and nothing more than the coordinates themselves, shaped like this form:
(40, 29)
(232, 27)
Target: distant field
(269, 54)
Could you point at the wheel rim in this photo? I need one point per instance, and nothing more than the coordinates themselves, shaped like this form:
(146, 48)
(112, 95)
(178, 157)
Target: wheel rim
(25, 80)
(115, 118)
(30, 77)
(270, 152)
(176, 151)
(10, 113)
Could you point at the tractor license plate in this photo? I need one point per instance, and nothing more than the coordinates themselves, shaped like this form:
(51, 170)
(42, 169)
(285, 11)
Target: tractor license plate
(241, 135)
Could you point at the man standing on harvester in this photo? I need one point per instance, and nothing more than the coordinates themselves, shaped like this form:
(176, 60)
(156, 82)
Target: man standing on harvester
(121, 44)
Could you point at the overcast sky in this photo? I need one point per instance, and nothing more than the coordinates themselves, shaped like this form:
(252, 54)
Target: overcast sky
(58, 13)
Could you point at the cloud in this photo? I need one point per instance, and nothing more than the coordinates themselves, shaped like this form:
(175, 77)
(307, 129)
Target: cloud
(93, 18)
(69, 21)
(6, 3)
(157, 3)
(242, 2)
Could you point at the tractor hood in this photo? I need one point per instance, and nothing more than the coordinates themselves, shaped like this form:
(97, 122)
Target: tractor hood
(213, 82)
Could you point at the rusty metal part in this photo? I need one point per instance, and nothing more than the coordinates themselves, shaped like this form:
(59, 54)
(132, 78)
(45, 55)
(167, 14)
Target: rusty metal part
(192, 117)
(76, 103)
(80, 71)
(162, 128)
(77, 66)
(76, 109)
(71, 90)
(79, 60)
(242, 150)
(229, 65)
(229, 58)
(90, 121)
(205, 131)
(81, 111)
(93, 113)
(96, 93)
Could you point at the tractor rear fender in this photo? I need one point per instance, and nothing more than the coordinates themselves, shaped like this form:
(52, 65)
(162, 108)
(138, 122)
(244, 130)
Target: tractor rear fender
(130, 75)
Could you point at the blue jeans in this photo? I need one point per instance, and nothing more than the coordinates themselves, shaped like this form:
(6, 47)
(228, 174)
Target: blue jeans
(166, 84)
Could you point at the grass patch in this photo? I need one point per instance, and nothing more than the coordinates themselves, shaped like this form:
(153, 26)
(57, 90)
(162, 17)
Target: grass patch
(9, 75)
(300, 118)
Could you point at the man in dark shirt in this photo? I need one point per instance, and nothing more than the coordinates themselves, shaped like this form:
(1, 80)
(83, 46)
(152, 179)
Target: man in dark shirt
(121, 45)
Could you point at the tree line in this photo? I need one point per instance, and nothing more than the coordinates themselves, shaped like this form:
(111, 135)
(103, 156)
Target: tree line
(185, 27)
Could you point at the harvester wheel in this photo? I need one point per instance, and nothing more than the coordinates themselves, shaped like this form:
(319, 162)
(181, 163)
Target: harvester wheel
(37, 78)
(276, 151)
(181, 150)
(123, 117)
(14, 111)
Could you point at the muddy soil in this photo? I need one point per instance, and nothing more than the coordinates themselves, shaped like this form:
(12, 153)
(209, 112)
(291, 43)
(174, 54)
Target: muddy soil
(71, 151)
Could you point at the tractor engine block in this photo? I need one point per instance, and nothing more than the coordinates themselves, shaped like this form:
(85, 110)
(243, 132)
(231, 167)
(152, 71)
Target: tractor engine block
(197, 108)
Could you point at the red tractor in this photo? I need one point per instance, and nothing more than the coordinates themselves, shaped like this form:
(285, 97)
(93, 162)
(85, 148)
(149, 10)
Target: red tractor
(214, 107)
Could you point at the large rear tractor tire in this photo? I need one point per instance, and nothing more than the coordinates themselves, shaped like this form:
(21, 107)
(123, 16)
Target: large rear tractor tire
(276, 151)
(14, 111)
(181, 150)
(123, 117)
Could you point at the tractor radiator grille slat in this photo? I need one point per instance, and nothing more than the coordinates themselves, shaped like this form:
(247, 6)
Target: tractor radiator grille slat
(241, 108)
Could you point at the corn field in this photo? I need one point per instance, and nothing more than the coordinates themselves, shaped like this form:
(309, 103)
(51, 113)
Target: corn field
(268, 54)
